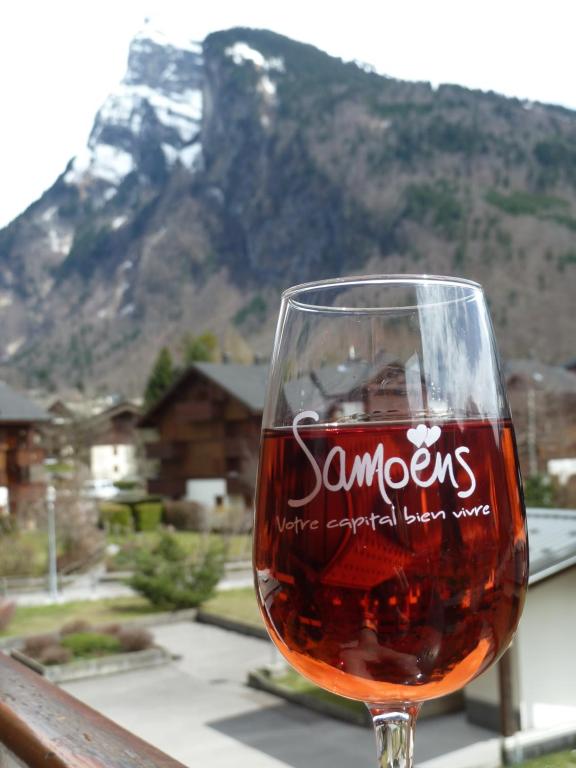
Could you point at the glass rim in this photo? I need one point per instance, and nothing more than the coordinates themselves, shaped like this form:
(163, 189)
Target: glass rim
(295, 295)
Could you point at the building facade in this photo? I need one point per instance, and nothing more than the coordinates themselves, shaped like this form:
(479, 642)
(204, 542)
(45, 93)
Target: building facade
(542, 668)
(110, 442)
(205, 434)
(543, 403)
(22, 480)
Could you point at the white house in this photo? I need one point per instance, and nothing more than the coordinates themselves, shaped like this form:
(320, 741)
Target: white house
(113, 462)
(112, 441)
(543, 654)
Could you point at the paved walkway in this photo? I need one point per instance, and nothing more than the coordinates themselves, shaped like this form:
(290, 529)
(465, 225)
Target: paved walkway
(198, 708)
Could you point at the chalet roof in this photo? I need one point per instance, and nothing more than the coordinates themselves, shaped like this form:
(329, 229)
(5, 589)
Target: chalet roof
(123, 406)
(552, 541)
(247, 383)
(16, 407)
(90, 409)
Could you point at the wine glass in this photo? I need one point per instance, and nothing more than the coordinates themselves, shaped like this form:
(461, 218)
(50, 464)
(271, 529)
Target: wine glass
(390, 547)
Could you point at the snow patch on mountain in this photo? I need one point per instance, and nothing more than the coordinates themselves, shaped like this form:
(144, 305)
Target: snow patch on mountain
(242, 52)
(101, 161)
(191, 157)
(119, 221)
(60, 242)
(48, 215)
(178, 109)
(127, 310)
(137, 104)
(13, 347)
(266, 87)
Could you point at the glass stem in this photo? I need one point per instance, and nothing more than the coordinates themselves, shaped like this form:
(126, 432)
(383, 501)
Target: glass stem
(394, 730)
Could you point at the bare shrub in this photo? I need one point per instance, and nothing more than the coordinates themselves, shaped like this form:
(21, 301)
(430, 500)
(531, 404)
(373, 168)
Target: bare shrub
(54, 654)
(7, 610)
(110, 629)
(74, 626)
(135, 639)
(186, 515)
(17, 556)
(80, 546)
(35, 645)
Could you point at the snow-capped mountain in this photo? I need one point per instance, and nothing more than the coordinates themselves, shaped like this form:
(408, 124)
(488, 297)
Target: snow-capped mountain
(160, 96)
(148, 126)
(218, 173)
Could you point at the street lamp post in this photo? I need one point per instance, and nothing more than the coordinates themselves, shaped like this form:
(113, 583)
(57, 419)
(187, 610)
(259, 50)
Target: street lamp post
(536, 378)
(52, 554)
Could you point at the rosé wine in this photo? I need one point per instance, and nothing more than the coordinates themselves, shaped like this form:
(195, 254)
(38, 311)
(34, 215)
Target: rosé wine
(390, 559)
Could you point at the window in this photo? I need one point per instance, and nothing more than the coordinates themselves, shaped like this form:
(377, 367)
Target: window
(233, 464)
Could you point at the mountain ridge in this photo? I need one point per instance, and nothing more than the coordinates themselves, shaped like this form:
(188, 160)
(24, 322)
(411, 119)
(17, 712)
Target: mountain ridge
(213, 178)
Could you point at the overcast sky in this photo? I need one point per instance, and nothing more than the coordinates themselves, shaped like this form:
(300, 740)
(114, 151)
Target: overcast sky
(60, 58)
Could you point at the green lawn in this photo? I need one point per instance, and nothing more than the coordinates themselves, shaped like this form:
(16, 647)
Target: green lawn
(40, 619)
(236, 604)
(295, 683)
(556, 760)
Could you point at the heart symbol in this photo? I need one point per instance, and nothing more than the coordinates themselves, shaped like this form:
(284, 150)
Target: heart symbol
(418, 435)
(432, 436)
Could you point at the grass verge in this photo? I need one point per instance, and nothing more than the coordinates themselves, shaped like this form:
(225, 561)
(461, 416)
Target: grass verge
(565, 759)
(295, 683)
(236, 604)
(40, 619)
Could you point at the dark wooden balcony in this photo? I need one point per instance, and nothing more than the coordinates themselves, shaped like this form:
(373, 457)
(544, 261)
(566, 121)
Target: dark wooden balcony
(190, 410)
(165, 486)
(237, 447)
(160, 450)
(41, 725)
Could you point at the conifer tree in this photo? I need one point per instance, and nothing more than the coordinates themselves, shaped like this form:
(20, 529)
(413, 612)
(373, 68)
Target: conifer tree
(160, 378)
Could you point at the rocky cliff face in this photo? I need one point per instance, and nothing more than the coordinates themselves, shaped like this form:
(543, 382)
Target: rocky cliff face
(217, 174)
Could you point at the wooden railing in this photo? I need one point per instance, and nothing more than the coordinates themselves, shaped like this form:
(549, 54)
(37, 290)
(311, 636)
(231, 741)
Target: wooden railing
(41, 725)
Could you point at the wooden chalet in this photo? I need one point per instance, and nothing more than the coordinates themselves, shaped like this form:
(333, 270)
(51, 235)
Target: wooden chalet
(208, 424)
(207, 427)
(543, 402)
(109, 441)
(22, 482)
(101, 436)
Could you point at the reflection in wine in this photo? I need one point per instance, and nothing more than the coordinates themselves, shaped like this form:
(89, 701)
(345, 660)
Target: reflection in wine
(402, 597)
